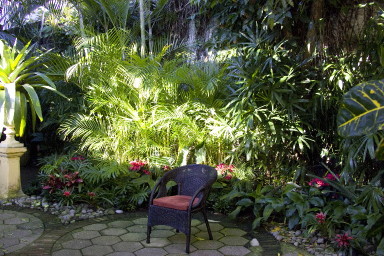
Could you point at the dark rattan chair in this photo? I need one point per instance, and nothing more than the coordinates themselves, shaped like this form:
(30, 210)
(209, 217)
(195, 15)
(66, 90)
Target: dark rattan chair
(194, 182)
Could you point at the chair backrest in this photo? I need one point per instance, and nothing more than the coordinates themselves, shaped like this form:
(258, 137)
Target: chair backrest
(191, 177)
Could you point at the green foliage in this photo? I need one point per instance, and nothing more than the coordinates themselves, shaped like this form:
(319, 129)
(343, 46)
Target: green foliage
(19, 78)
(362, 110)
(360, 121)
(71, 179)
(151, 107)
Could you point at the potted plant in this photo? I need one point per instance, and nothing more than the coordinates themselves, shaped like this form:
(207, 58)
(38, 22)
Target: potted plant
(18, 81)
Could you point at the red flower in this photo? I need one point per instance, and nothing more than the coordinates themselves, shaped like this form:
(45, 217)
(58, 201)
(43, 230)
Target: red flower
(343, 240)
(223, 169)
(78, 158)
(147, 172)
(330, 176)
(136, 165)
(228, 177)
(91, 194)
(166, 168)
(318, 183)
(66, 193)
(320, 217)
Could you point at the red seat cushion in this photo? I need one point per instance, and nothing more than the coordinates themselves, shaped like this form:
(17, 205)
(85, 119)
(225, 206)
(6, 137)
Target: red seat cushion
(178, 202)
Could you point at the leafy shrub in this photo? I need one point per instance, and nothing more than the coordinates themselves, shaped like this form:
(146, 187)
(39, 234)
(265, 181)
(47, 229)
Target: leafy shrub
(71, 179)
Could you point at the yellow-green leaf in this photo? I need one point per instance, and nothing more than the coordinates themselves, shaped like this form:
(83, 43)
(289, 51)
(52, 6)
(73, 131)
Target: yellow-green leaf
(362, 110)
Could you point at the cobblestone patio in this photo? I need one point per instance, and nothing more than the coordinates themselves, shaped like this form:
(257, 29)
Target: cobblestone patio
(31, 232)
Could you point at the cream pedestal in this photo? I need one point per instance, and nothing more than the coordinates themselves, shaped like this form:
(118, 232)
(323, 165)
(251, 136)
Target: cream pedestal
(10, 183)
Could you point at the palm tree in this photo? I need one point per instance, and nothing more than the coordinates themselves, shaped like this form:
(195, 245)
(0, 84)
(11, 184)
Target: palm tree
(140, 106)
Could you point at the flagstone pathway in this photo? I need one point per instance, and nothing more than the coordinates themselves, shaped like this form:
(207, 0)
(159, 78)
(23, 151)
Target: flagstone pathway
(35, 233)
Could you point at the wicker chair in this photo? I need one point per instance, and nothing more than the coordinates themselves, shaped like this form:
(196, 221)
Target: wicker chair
(194, 182)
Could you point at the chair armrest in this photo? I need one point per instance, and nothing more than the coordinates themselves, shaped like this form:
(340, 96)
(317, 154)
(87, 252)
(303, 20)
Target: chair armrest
(200, 190)
(154, 190)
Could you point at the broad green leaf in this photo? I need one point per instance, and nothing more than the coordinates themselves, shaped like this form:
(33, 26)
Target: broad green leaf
(34, 100)
(362, 110)
(295, 197)
(21, 56)
(380, 150)
(293, 221)
(267, 212)
(17, 115)
(50, 88)
(256, 222)
(380, 247)
(245, 202)
(234, 213)
(23, 113)
(316, 201)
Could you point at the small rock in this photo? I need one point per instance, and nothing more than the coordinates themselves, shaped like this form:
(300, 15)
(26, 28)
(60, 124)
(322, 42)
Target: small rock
(119, 211)
(255, 242)
(110, 211)
(279, 238)
(298, 232)
(296, 243)
(275, 233)
(320, 240)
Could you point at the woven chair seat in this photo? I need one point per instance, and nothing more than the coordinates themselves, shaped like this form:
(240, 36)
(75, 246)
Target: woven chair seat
(178, 202)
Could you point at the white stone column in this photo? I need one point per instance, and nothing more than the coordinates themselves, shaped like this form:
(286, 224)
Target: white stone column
(10, 183)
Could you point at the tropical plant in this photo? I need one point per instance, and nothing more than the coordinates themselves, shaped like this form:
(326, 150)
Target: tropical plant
(361, 121)
(19, 79)
(73, 178)
(143, 107)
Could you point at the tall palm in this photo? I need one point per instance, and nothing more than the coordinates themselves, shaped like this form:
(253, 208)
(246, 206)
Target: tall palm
(139, 106)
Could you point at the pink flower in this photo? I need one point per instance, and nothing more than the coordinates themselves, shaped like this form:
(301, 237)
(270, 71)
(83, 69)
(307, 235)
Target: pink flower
(47, 187)
(228, 177)
(317, 183)
(136, 165)
(78, 158)
(343, 240)
(166, 168)
(320, 217)
(146, 172)
(91, 194)
(66, 193)
(224, 168)
(330, 176)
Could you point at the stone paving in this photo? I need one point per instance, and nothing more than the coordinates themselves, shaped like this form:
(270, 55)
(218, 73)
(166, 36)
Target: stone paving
(17, 230)
(129, 238)
(23, 233)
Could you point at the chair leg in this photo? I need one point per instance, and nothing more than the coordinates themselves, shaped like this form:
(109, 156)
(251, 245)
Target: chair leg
(207, 224)
(188, 234)
(149, 229)
(188, 241)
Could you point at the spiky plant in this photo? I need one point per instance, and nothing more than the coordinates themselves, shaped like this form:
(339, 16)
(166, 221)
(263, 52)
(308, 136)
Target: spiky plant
(19, 77)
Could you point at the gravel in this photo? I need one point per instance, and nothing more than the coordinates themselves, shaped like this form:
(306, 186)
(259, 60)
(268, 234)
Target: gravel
(66, 214)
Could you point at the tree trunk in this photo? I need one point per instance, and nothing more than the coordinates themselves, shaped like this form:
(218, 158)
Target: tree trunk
(142, 27)
(149, 21)
(192, 37)
(314, 38)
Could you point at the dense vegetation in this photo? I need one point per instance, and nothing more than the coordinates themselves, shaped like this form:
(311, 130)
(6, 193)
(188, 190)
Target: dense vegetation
(255, 87)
